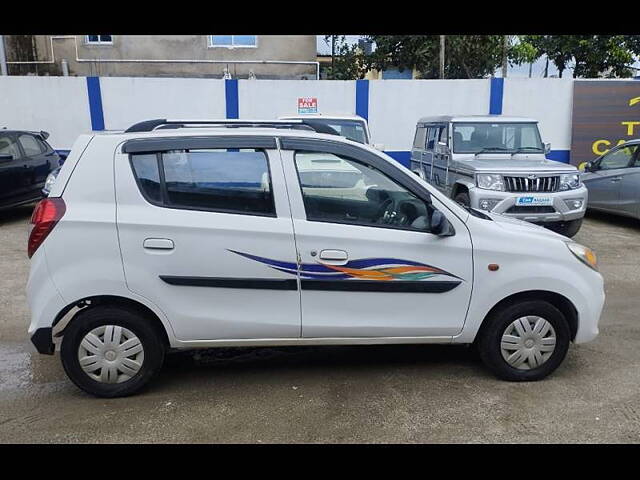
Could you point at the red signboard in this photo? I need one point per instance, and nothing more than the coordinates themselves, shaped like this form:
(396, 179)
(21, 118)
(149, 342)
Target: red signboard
(307, 105)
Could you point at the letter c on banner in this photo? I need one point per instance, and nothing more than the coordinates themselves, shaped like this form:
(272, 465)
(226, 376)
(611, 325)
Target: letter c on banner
(596, 146)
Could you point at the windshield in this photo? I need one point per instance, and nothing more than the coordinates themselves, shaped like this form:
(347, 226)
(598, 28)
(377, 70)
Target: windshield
(351, 129)
(496, 137)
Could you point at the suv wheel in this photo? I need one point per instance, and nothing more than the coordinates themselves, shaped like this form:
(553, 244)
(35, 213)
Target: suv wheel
(111, 351)
(463, 199)
(568, 229)
(524, 342)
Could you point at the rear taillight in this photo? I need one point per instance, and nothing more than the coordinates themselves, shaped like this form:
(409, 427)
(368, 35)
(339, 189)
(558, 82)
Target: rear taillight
(47, 213)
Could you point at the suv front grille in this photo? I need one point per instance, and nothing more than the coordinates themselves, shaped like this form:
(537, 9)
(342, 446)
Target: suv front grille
(538, 184)
(531, 209)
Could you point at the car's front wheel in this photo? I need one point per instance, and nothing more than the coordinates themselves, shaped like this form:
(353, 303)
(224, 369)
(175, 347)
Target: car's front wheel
(111, 351)
(525, 341)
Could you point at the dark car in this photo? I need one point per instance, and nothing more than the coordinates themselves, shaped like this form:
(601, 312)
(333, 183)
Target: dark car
(26, 159)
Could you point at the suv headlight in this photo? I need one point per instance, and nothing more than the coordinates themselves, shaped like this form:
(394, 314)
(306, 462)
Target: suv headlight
(584, 254)
(569, 181)
(490, 181)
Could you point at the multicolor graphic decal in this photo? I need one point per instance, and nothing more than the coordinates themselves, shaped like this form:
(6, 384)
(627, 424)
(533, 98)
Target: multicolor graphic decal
(383, 269)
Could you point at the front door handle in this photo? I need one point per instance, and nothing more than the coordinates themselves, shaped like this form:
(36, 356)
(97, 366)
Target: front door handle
(616, 179)
(158, 244)
(334, 255)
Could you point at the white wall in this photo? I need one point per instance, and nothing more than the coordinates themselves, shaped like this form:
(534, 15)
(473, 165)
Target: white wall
(126, 100)
(268, 99)
(58, 105)
(549, 100)
(395, 106)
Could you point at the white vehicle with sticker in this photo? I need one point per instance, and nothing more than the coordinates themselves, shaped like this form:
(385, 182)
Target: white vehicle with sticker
(189, 234)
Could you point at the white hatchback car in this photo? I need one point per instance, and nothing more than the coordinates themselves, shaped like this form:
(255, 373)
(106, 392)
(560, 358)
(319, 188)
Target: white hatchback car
(187, 234)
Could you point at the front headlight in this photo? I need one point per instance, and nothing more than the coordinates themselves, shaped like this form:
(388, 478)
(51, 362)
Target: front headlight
(569, 181)
(584, 254)
(490, 181)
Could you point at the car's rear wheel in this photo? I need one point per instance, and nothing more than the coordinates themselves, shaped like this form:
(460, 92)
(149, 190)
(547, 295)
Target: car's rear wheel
(568, 229)
(524, 342)
(111, 351)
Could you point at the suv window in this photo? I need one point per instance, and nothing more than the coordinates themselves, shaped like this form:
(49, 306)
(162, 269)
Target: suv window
(620, 158)
(8, 146)
(420, 140)
(30, 145)
(221, 180)
(337, 189)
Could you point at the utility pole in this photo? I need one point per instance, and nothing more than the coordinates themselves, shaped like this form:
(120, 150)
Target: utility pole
(3, 58)
(505, 47)
(333, 54)
(442, 56)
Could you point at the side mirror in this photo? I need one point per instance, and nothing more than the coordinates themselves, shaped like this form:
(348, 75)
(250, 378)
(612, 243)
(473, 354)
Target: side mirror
(440, 225)
(547, 148)
(5, 157)
(44, 135)
(379, 146)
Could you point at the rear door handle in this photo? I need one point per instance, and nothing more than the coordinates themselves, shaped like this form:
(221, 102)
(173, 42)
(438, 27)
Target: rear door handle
(158, 244)
(334, 255)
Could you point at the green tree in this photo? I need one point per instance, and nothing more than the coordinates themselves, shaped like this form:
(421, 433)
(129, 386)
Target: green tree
(466, 56)
(349, 61)
(590, 56)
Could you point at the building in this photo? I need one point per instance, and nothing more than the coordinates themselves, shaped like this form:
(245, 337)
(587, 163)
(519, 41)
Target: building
(213, 56)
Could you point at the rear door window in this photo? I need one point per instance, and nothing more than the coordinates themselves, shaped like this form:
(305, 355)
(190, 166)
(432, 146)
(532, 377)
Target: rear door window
(31, 145)
(220, 180)
(9, 146)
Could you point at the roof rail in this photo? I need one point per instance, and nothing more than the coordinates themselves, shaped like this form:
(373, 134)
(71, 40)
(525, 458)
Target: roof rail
(163, 123)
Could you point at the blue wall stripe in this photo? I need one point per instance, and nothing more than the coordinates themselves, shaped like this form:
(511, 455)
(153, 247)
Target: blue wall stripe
(362, 98)
(231, 98)
(495, 96)
(563, 156)
(95, 103)
(403, 157)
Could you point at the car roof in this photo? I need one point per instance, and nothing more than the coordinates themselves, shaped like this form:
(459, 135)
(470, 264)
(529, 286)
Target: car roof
(476, 119)
(30, 132)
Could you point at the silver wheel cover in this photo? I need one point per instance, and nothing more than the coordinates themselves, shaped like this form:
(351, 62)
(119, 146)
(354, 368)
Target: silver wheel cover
(528, 342)
(111, 354)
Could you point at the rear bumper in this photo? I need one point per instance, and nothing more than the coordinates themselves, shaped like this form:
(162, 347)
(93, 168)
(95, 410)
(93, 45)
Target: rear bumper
(561, 209)
(43, 341)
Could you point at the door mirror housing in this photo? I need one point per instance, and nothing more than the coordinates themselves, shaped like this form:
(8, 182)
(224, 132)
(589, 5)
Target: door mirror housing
(547, 148)
(440, 225)
(443, 148)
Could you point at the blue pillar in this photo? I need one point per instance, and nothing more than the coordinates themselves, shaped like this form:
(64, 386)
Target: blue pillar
(496, 95)
(95, 103)
(231, 98)
(362, 98)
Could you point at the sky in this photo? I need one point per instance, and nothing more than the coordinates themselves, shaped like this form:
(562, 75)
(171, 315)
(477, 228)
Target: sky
(537, 69)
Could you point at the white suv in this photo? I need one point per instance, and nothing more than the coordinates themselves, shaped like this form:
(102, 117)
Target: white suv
(191, 234)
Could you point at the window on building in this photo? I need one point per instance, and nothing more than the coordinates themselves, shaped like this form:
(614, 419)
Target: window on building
(99, 39)
(233, 41)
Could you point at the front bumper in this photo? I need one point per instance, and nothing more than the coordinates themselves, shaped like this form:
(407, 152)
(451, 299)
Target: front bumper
(560, 209)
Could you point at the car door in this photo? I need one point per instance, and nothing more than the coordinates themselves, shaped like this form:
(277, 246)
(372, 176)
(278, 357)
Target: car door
(368, 265)
(630, 188)
(12, 171)
(195, 228)
(38, 162)
(439, 146)
(605, 177)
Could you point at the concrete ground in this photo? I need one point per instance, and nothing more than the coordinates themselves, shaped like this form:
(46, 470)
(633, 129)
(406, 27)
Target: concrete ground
(336, 394)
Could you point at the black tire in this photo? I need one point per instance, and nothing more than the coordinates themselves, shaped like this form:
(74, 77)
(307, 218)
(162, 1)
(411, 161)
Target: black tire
(490, 337)
(463, 199)
(568, 229)
(84, 322)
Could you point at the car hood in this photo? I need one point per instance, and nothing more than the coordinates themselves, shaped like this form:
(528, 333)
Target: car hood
(517, 164)
(515, 225)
